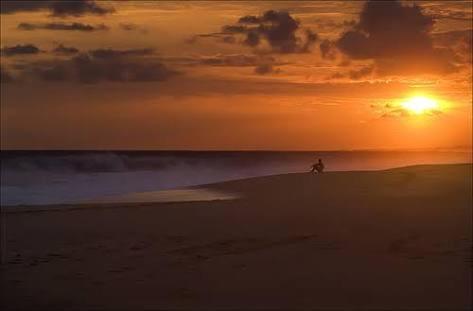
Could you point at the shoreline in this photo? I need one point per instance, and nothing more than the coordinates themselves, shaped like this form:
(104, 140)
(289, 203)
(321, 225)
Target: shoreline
(124, 200)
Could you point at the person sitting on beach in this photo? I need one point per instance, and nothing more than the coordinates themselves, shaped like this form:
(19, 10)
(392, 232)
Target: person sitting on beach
(319, 167)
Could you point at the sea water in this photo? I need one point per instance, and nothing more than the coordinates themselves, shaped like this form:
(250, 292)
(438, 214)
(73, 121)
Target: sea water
(56, 177)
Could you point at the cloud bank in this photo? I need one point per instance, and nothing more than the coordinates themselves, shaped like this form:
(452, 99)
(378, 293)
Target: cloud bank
(62, 26)
(57, 8)
(20, 49)
(103, 65)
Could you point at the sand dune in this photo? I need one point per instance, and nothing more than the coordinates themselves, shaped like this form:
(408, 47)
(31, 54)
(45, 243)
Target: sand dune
(395, 239)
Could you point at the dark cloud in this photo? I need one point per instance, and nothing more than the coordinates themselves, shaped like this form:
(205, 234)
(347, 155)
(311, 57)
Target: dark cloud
(235, 60)
(387, 28)
(128, 27)
(328, 49)
(263, 63)
(78, 8)
(57, 8)
(228, 39)
(354, 74)
(62, 26)
(234, 29)
(92, 70)
(396, 36)
(133, 27)
(264, 69)
(103, 65)
(252, 38)
(311, 38)
(193, 39)
(360, 73)
(54, 71)
(337, 75)
(278, 28)
(25, 49)
(249, 19)
(64, 50)
(10, 7)
(5, 76)
(111, 53)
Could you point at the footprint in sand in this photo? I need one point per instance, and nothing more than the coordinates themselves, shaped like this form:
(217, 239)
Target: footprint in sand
(237, 246)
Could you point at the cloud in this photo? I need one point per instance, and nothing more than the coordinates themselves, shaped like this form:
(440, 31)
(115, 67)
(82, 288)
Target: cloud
(278, 29)
(64, 50)
(219, 36)
(228, 39)
(78, 8)
(62, 26)
(57, 8)
(5, 76)
(25, 49)
(263, 63)
(335, 76)
(132, 27)
(354, 74)
(396, 111)
(53, 71)
(103, 65)
(235, 60)
(111, 53)
(129, 27)
(93, 70)
(264, 69)
(11, 7)
(458, 15)
(361, 73)
(460, 42)
(397, 37)
(328, 49)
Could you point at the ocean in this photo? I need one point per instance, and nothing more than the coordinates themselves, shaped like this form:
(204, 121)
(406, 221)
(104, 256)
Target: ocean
(63, 177)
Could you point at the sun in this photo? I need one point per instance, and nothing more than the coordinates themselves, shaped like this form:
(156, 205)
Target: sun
(420, 104)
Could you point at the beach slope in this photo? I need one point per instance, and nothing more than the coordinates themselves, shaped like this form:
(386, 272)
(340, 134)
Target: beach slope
(394, 239)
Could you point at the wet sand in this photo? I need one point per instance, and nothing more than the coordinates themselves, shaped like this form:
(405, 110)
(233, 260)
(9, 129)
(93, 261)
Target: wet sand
(395, 239)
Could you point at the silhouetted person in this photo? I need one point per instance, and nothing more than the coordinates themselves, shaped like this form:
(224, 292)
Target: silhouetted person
(319, 167)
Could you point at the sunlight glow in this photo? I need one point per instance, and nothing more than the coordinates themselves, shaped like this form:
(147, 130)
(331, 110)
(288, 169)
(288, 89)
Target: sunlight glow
(420, 105)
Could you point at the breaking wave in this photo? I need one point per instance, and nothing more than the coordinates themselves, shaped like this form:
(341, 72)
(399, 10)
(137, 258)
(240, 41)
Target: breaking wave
(56, 177)
(121, 161)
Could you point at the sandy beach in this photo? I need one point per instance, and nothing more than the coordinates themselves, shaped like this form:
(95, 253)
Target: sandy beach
(394, 239)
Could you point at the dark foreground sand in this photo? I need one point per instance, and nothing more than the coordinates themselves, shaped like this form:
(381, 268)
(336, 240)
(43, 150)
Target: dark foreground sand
(394, 239)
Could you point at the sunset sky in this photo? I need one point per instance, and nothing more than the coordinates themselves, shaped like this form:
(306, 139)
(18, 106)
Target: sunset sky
(235, 75)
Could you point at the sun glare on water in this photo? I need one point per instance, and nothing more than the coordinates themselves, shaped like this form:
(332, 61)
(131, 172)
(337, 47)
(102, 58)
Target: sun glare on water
(420, 105)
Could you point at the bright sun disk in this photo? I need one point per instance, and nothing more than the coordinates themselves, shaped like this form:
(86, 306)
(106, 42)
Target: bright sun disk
(419, 104)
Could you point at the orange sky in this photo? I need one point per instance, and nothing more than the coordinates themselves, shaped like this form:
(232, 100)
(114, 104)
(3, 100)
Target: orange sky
(230, 75)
